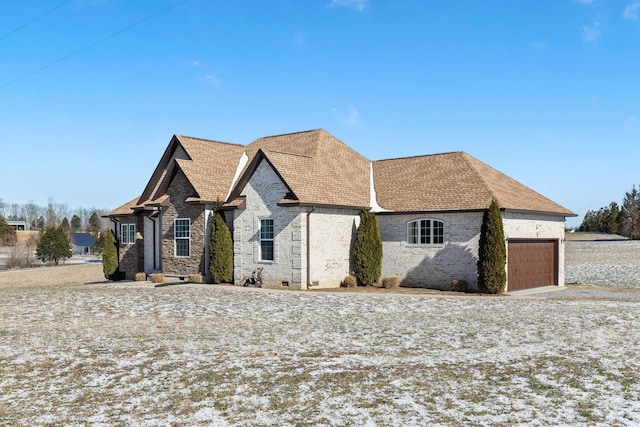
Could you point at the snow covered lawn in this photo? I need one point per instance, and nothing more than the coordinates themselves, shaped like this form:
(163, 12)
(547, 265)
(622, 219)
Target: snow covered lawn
(131, 354)
(605, 263)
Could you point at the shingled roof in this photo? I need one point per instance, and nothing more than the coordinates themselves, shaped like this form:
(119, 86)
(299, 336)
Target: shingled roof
(320, 169)
(452, 182)
(316, 166)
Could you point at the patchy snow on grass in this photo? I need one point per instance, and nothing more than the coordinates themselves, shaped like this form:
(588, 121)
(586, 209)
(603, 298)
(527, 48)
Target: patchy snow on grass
(605, 263)
(131, 354)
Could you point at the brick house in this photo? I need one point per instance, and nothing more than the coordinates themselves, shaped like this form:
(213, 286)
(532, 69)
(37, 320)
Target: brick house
(292, 203)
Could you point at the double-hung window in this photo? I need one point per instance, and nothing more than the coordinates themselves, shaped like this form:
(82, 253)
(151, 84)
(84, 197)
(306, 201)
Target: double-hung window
(182, 237)
(266, 239)
(128, 234)
(425, 232)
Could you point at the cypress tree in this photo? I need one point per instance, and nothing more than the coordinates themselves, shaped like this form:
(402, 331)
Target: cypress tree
(367, 250)
(220, 250)
(94, 225)
(76, 223)
(492, 252)
(65, 225)
(109, 256)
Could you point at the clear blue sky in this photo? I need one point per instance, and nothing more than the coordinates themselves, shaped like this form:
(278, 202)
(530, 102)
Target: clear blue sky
(546, 91)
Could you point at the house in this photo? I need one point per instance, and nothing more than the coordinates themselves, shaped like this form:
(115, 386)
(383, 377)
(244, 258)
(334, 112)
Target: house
(292, 203)
(81, 243)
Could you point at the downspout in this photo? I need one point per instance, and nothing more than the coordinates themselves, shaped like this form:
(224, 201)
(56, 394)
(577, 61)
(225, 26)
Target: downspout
(313, 208)
(154, 241)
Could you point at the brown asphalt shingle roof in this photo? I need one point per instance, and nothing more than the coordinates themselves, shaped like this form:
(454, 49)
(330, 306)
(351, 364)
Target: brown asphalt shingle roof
(452, 181)
(317, 167)
(125, 209)
(320, 169)
(212, 166)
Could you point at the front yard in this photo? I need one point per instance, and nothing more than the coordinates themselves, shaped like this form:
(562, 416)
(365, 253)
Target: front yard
(131, 354)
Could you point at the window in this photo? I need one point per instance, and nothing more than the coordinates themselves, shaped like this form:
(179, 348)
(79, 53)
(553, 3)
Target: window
(425, 232)
(182, 237)
(128, 234)
(266, 239)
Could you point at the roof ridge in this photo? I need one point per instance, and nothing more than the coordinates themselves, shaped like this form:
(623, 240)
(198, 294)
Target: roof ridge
(420, 156)
(466, 157)
(288, 133)
(208, 140)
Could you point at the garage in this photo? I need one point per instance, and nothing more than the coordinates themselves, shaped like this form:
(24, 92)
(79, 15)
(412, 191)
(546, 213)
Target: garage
(531, 264)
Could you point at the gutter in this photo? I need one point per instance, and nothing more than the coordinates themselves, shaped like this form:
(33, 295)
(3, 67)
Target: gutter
(313, 208)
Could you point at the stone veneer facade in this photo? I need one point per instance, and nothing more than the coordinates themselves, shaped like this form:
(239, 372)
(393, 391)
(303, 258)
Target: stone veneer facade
(131, 256)
(180, 190)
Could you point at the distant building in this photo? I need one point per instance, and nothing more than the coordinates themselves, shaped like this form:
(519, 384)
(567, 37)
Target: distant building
(18, 225)
(81, 243)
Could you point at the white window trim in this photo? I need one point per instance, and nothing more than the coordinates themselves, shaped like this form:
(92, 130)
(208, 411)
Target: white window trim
(176, 238)
(431, 233)
(125, 234)
(273, 240)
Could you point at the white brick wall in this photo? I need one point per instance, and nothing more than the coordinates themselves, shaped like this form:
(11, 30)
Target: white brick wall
(333, 230)
(263, 192)
(332, 234)
(432, 266)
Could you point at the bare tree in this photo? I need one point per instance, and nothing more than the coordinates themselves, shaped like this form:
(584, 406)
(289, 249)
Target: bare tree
(31, 212)
(50, 214)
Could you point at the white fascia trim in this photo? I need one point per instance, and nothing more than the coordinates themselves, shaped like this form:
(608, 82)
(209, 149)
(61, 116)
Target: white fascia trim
(373, 202)
(241, 164)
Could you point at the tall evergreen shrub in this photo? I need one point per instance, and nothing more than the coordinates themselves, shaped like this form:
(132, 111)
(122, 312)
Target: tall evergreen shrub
(220, 250)
(367, 250)
(8, 235)
(492, 252)
(54, 245)
(110, 256)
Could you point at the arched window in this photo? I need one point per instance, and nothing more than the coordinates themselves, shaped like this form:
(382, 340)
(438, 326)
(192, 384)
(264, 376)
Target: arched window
(425, 232)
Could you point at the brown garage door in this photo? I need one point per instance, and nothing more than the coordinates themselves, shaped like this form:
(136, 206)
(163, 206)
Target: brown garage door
(531, 264)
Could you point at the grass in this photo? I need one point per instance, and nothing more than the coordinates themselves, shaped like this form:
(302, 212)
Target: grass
(131, 354)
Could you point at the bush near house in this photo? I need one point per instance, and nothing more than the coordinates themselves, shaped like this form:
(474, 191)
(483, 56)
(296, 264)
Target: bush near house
(367, 250)
(349, 282)
(110, 256)
(390, 282)
(221, 250)
(156, 278)
(492, 252)
(195, 278)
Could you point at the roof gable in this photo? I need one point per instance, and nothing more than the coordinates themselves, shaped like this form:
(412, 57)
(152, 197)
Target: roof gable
(316, 167)
(209, 166)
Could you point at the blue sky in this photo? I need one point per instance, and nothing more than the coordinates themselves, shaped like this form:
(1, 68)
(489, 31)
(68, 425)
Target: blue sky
(546, 91)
